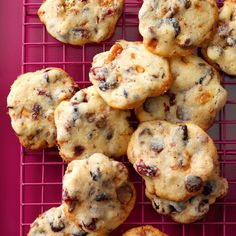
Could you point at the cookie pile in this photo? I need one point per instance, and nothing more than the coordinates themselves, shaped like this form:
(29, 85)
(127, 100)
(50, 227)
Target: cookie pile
(97, 198)
(175, 95)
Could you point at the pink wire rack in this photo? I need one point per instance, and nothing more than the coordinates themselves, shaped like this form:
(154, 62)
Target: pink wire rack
(42, 171)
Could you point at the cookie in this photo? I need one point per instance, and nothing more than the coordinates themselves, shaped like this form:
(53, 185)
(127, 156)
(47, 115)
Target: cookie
(127, 74)
(86, 125)
(146, 230)
(53, 222)
(221, 50)
(31, 104)
(196, 98)
(195, 208)
(176, 27)
(97, 194)
(80, 22)
(173, 159)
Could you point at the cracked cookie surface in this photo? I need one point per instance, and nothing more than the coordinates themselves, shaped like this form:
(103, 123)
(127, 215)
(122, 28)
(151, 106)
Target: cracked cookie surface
(86, 125)
(196, 95)
(79, 22)
(32, 102)
(173, 159)
(128, 73)
(97, 193)
(176, 27)
(221, 50)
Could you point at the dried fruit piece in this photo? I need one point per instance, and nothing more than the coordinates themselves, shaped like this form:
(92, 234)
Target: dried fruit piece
(143, 169)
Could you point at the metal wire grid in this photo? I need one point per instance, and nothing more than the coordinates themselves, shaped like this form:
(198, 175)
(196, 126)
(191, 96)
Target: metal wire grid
(42, 171)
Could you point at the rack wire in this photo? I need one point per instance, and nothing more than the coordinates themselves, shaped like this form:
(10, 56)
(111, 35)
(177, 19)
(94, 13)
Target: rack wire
(42, 171)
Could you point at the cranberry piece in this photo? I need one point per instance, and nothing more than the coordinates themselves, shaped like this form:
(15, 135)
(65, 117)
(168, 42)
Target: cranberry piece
(143, 169)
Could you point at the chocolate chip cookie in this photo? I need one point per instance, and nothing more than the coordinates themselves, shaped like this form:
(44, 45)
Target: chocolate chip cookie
(127, 74)
(173, 159)
(86, 125)
(221, 50)
(176, 27)
(31, 104)
(97, 194)
(195, 208)
(196, 95)
(81, 21)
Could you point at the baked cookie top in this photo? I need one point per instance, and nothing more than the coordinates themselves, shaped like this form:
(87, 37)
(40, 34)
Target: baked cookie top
(86, 124)
(53, 222)
(176, 27)
(146, 230)
(195, 208)
(80, 22)
(221, 50)
(97, 193)
(127, 74)
(173, 159)
(31, 104)
(196, 95)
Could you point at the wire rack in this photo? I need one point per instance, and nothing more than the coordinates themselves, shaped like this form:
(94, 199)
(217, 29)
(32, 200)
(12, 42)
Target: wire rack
(42, 171)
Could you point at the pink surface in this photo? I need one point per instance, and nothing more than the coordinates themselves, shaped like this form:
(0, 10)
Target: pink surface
(10, 62)
(41, 172)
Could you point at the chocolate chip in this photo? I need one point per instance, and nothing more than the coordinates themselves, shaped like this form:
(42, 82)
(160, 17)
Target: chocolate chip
(92, 225)
(109, 135)
(172, 21)
(193, 183)
(124, 193)
(203, 206)
(176, 25)
(125, 93)
(10, 107)
(185, 132)
(187, 4)
(90, 135)
(57, 228)
(83, 33)
(96, 175)
(145, 131)
(36, 110)
(147, 170)
(207, 188)
(132, 120)
(157, 145)
(201, 79)
(78, 150)
(172, 98)
(155, 205)
(102, 197)
(46, 76)
(103, 86)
